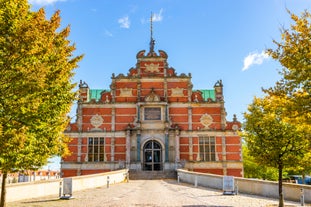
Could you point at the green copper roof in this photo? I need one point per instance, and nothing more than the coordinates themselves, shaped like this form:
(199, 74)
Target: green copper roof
(208, 94)
(95, 94)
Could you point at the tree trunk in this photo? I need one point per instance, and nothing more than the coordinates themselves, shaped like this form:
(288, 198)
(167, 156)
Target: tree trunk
(3, 189)
(281, 198)
(303, 177)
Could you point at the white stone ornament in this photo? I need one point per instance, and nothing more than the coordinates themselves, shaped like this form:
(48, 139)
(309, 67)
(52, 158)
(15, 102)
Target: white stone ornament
(235, 127)
(127, 92)
(97, 120)
(152, 68)
(206, 120)
(177, 91)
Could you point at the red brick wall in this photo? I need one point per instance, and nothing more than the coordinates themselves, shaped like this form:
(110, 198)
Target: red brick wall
(69, 173)
(212, 171)
(234, 172)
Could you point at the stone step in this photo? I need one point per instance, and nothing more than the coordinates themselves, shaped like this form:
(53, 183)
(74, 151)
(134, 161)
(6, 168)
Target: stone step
(152, 175)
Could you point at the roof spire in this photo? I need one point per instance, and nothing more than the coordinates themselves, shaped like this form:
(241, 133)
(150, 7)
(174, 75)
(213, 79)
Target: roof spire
(152, 41)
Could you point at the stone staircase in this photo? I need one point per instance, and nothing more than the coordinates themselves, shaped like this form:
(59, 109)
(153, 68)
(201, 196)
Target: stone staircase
(152, 175)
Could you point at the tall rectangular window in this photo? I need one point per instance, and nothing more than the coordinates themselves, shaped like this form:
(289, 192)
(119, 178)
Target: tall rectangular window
(207, 148)
(96, 149)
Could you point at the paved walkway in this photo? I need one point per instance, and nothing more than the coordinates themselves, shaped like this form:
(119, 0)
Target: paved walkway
(151, 193)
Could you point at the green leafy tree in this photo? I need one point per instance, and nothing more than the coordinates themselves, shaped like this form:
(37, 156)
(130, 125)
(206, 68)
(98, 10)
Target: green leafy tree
(303, 168)
(253, 170)
(274, 140)
(36, 70)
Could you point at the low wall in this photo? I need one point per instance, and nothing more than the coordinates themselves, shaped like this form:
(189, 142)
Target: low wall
(21, 191)
(249, 186)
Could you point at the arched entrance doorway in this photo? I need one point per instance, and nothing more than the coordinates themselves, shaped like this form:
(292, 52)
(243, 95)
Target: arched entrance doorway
(152, 156)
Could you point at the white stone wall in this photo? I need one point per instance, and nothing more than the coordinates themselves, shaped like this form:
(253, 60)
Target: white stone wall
(20, 191)
(250, 186)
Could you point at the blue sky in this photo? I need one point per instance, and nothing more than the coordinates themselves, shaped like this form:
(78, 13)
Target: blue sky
(211, 39)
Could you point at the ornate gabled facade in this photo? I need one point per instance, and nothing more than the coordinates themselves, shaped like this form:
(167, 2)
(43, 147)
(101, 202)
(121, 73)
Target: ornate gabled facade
(152, 120)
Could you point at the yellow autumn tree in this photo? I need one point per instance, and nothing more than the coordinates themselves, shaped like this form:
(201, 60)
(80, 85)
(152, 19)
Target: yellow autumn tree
(277, 128)
(273, 139)
(36, 71)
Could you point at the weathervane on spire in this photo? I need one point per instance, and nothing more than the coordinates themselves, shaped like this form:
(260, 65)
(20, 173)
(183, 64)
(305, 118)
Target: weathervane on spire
(152, 41)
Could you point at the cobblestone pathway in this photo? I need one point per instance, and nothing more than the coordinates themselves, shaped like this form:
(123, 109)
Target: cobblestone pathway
(151, 193)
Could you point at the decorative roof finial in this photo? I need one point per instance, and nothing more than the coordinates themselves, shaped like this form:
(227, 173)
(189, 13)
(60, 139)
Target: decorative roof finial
(152, 41)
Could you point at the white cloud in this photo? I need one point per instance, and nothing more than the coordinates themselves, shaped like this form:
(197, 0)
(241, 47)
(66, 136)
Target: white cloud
(254, 58)
(124, 22)
(157, 17)
(43, 2)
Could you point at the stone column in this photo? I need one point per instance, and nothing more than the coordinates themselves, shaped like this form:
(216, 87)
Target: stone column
(113, 128)
(177, 145)
(138, 145)
(80, 128)
(112, 148)
(166, 132)
(113, 88)
(138, 91)
(166, 146)
(190, 136)
(189, 118)
(224, 154)
(190, 148)
(128, 146)
(190, 86)
(79, 148)
(138, 126)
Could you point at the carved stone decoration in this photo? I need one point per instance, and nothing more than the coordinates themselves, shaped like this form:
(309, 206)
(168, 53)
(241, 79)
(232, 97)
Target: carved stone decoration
(97, 120)
(206, 120)
(152, 68)
(235, 127)
(107, 99)
(177, 91)
(126, 92)
(68, 128)
(152, 97)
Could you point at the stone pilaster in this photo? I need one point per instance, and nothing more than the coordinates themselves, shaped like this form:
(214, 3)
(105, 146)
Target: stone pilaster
(189, 117)
(138, 91)
(177, 145)
(166, 147)
(80, 128)
(138, 145)
(113, 88)
(113, 119)
(190, 137)
(190, 148)
(190, 86)
(112, 148)
(113, 129)
(128, 146)
(224, 154)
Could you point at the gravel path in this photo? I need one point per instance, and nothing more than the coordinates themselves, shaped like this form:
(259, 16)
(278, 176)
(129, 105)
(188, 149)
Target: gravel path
(151, 193)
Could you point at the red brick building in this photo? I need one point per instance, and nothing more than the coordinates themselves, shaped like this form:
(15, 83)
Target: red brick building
(152, 120)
